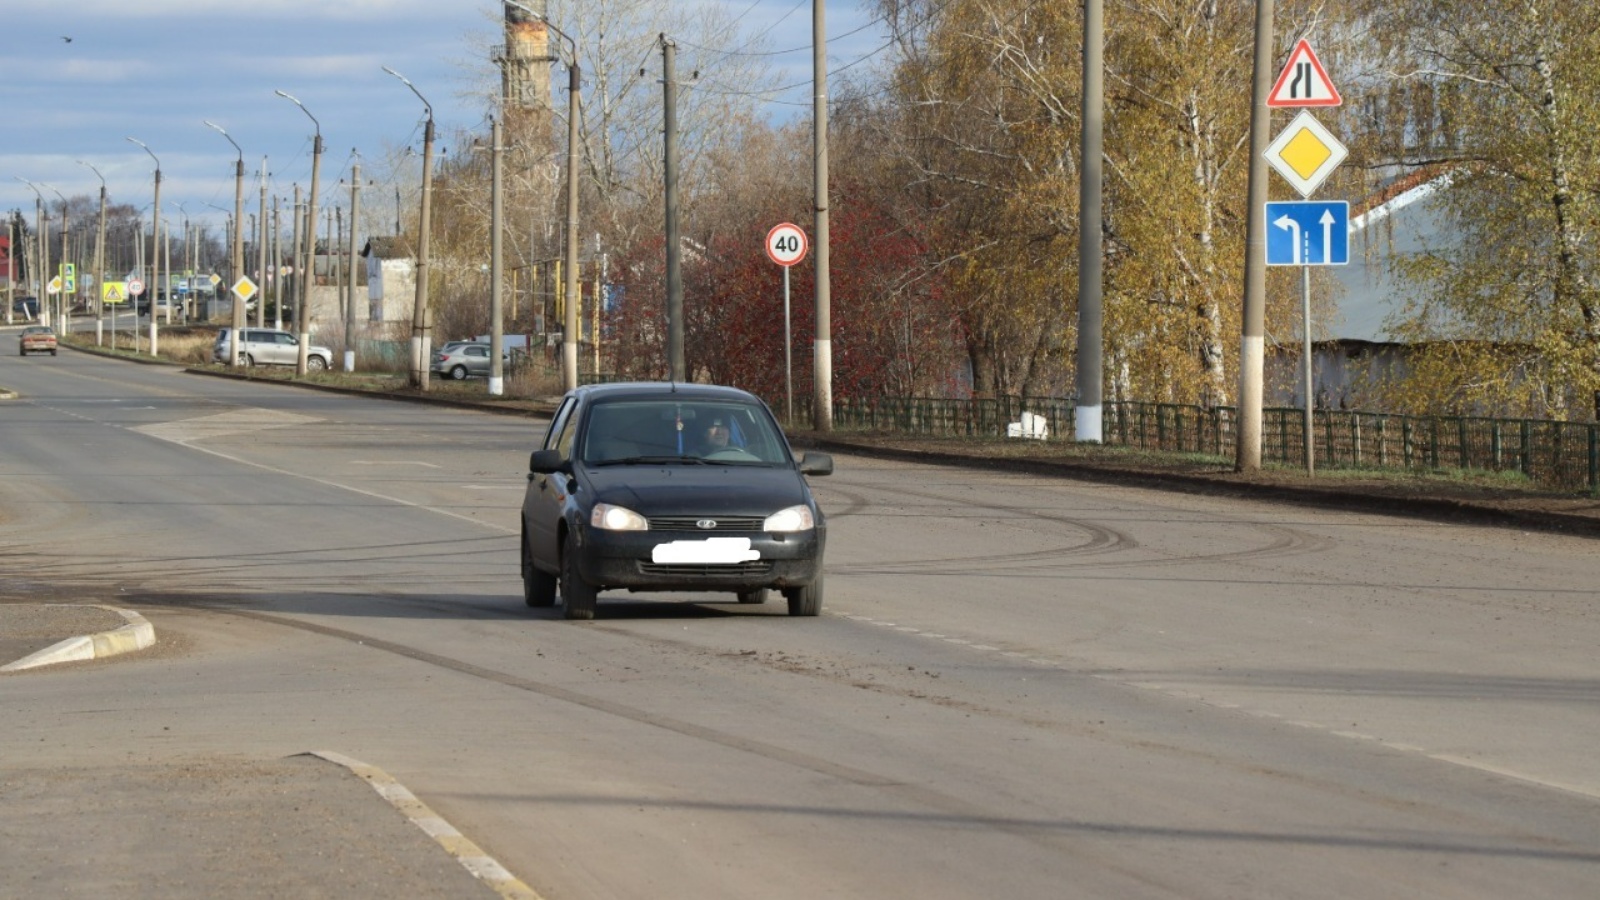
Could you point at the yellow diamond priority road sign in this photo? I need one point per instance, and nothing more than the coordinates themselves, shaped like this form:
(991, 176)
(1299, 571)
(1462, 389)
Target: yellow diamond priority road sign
(244, 288)
(1305, 153)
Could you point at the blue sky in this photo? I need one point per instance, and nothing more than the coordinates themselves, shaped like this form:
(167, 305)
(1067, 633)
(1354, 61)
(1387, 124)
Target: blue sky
(156, 69)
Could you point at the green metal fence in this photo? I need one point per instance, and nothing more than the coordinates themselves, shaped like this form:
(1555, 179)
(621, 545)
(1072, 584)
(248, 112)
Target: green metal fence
(1558, 455)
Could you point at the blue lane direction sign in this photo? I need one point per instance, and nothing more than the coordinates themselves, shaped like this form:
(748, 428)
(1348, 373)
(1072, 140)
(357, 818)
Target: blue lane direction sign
(1308, 233)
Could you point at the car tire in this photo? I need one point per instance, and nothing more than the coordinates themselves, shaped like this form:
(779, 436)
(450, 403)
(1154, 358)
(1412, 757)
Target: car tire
(538, 586)
(577, 596)
(807, 600)
(52, 353)
(249, 360)
(759, 595)
(459, 373)
(316, 364)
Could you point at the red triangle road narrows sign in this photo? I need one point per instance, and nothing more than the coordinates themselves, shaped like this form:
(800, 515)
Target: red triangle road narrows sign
(1303, 81)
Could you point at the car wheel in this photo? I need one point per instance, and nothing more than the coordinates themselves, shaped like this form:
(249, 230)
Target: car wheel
(805, 601)
(759, 595)
(459, 373)
(316, 364)
(538, 587)
(249, 360)
(576, 595)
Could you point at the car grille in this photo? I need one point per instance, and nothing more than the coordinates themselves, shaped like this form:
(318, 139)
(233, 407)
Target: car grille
(756, 567)
(692, 523)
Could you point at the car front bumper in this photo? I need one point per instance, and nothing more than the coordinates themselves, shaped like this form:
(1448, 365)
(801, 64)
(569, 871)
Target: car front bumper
(624, 559)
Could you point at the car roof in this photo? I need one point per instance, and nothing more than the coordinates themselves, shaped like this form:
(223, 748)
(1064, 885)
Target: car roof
(653, 389)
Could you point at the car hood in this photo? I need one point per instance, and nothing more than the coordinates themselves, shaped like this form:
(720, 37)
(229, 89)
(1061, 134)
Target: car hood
(698, 489)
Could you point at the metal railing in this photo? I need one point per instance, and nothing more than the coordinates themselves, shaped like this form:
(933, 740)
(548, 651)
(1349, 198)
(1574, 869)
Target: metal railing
(1557, 455)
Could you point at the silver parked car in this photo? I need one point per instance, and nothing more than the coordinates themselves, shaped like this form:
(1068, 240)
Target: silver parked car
(271, 347)
(461, 359)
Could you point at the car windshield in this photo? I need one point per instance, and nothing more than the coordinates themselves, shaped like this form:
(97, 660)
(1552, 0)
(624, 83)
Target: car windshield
(670, 430)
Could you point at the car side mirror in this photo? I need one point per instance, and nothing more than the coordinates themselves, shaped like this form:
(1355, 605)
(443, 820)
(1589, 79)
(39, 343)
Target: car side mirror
(546, 462)
(816, 464)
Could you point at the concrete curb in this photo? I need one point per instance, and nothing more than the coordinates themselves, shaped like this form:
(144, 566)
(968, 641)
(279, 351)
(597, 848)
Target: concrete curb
(136, 635)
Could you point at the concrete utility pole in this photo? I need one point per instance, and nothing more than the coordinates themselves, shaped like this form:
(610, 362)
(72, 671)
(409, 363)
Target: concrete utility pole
(11, 267)
(420, 350)
(675, 361)
(1091, 252)
(237, 260)
(41, 249)
(301, 326)
(571, 329)
(58, 304)
(822, 413)
(497, 222)
(1252, 344)
(277, 269)
(295, 261)
(261, 251)
(155, 258)
(350, 307)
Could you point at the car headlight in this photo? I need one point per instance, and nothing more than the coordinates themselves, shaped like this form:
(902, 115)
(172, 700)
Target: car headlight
(795, 518)
(617, 518)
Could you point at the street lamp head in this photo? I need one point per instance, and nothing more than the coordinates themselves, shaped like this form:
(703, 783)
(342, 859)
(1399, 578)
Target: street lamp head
(407, 82)
(95, 171)
(225, 134)
(296, 101)
(149, 151)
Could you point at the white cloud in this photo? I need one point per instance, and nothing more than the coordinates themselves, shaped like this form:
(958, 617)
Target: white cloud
(144, 10)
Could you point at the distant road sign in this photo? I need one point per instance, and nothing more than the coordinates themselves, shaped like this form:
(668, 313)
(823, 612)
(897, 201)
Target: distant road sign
(786, 244)
(135, 287)
(1308, 233)
(1305, 153)
(1303, 81)
(113, 292)
(244, 288)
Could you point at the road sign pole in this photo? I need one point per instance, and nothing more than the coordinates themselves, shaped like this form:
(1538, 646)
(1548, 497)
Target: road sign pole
(1305, 308)
(788, 352)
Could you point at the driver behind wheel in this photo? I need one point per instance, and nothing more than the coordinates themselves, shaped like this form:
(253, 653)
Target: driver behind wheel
(715, 437)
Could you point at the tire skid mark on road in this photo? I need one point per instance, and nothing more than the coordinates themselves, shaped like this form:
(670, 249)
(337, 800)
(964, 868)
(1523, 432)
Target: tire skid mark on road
(1040, 833)
(1190, 696)
(1101, 540)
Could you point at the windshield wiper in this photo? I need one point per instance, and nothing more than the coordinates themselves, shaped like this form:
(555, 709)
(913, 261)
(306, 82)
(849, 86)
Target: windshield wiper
(652, 461)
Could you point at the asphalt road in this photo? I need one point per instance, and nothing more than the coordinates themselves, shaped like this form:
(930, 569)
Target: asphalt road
(1020, 686)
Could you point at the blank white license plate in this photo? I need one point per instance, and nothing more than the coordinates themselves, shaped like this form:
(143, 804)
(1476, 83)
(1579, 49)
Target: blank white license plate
(711, 551)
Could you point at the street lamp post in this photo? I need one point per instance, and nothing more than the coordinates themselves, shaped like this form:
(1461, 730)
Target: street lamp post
(41, 248)
(302, 314)
(419, 311)
(570, 327)
(66, 249)
(350, 305)
(237, 260)
(155, 258)
(99, 259)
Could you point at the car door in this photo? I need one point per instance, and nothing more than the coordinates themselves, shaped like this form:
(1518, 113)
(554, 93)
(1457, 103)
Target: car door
(285, 349)
(478, 360)
(546, 493)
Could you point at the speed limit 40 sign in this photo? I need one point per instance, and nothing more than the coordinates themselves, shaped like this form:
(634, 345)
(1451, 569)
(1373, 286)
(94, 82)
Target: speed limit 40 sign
(786, 244)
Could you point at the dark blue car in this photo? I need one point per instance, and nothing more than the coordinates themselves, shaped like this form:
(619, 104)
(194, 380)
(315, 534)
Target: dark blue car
(670, 487)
